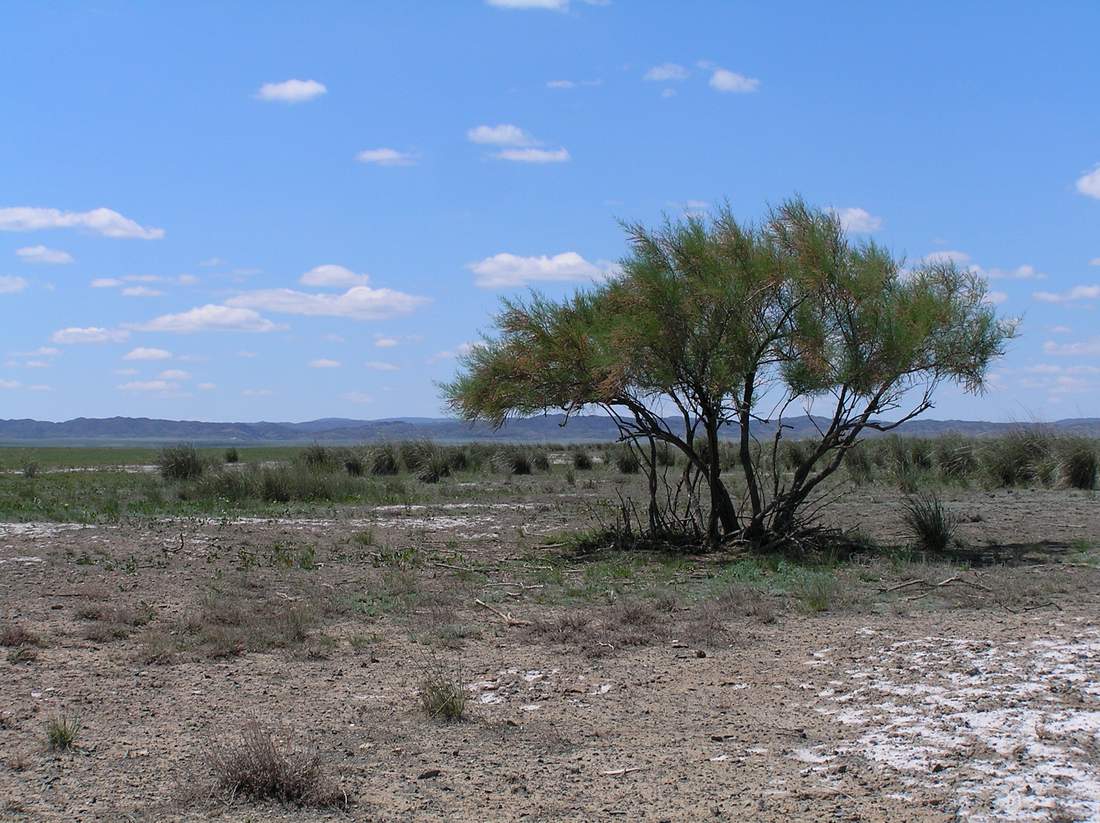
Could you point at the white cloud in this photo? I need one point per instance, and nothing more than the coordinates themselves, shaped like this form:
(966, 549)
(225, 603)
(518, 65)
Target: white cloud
(857, 220)
(291, 91)
(380, 365)
(257, 393)
(461, 350)
(948, 256)
(1083, 348)
(187, 280)
(1072, 295)
(149, 386)
(248, 355)
(509, 270)
(106, 222)
(323, 363)
(141, 353)
(207, 386)
(209, 318)
(1095, 261)
(331, 275)
(550, 5)
(358, 302)
(41, 351)
(11, 285)
(724, 80)
(10, 384)
(43, 254)
(141, 291)
(1024, 272)
(210, 262)
(1089, 184)
(174, 374)
(995, 298)
(126, 372)
(386, 157)
(358, 397)
(666, 72)
(106, 283)
(534, 155)
(572, 84)
(39, 387)
(1060, 330)
(385, 342)
(91, 334)
(504, 134)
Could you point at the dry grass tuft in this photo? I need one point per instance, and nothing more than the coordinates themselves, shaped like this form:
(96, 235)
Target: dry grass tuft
(441, 697)
(258, 766)
(13, 635)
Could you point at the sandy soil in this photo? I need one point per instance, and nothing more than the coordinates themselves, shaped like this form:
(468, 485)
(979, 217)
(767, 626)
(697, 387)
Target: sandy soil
(898, 706)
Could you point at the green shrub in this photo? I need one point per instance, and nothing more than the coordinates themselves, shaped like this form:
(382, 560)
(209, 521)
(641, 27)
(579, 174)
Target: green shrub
(858, 462)
(384, 461)
(956, 457)
(1079, 463)
(180, 462)
(317, 457)
(627, 462)
(1024, 455)
(931, 525)
(232, 456)
(582, 461)
(61, 732)
(541, 461)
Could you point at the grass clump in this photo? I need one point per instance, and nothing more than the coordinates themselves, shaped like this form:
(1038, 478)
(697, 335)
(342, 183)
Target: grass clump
(1024, 455)
(180, 462)
(1079, 463)
(13, 635)
(258, 766)
(232, 455)
(932, 526)
(384, 462)
(582, 461)
(61, 732)
(627, 462)
(442, 698)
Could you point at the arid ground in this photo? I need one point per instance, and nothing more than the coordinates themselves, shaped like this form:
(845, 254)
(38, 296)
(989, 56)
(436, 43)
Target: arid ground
(600, 685)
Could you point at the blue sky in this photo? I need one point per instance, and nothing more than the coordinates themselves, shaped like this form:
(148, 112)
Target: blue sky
(243, 211)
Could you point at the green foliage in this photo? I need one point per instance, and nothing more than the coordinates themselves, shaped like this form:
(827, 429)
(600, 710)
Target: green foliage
(582, 461)
(709, 315)
(442, 698)
(627, 462)
(180, 462)
(61, 733)
(1079, 463)
(232, 455)
(932, 526)
(1024, 455)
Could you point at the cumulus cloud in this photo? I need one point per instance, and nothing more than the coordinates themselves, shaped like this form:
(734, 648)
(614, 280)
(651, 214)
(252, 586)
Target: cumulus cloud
(534, 155)
(1024, 272)
(509, 270)
(209, 318)
(1077, 293)
(142, 353)
(141, 291)
(89, 334)
(666, 72)
(461, 350)
(10, 384)
(386, 157)
(357, 303)
(11, 285)
(386, 342)
(571, 84)
(1089, 184)
(324, 363)
(174, 374)
(1081, 348)
(332, 275)
(291, 91)
(44, 254)
(857, 220)
(106, 283)
(206, 386)
(995, 298)
(149, 386)
(731, 82)
(504, 134)
(380, 365)
(1095, 261)
(106, 222)
(958, 257)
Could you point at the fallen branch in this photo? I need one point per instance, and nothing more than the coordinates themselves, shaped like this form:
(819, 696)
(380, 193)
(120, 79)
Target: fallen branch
(621, 772)
(507, 618)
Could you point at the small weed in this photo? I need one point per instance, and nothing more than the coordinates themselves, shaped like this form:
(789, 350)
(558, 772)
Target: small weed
(441, 697)
(61, 732)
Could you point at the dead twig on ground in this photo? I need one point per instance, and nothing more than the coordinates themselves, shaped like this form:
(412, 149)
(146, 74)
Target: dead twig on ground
(507, 618)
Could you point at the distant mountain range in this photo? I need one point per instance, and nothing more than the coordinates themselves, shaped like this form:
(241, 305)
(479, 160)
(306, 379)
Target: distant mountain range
(585, 428)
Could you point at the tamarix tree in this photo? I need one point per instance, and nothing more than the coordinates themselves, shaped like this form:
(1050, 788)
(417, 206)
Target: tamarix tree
(716, 329)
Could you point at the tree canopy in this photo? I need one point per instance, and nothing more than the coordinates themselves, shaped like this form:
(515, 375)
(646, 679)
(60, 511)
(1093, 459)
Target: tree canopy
(715, 324)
